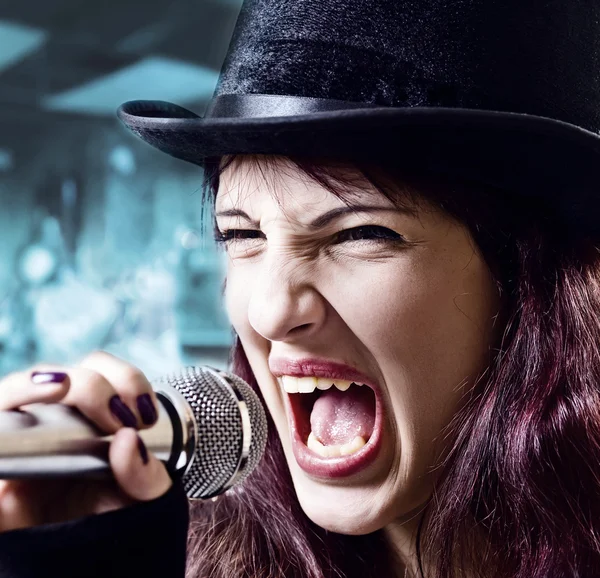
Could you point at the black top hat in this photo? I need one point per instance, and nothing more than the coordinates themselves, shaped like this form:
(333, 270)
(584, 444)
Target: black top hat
(506, 92)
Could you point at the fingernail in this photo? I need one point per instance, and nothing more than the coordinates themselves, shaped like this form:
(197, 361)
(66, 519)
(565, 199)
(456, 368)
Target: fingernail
(122, 412)
(143, 450)
(48, 377)
(146, 408)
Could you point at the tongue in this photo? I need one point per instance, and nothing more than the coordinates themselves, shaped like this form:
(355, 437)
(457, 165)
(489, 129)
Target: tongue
(339, 416)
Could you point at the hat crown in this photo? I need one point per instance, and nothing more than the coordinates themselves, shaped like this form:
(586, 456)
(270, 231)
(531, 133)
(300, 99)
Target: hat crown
(535, 57)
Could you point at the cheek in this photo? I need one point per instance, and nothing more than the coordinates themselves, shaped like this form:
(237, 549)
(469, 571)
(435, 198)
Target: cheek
(237, 295)
(428, 330)
(423, 315)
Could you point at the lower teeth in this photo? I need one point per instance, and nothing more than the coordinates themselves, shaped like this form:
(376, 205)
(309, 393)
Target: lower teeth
(334, 451)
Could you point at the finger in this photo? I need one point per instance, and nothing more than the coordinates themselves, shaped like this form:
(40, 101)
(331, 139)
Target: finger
(130, 383)
(138, 472)
(95, 397)
(40, 384)
(16, 506)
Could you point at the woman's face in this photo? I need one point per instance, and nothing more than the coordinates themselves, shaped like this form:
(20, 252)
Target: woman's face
(399, 301)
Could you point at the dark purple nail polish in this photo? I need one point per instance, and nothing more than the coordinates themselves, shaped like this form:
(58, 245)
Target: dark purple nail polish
(48, 377)
(122, 412)
(143, 450)
(146, 408)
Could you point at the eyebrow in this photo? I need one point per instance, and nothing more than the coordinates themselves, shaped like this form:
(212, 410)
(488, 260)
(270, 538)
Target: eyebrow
(323, 219)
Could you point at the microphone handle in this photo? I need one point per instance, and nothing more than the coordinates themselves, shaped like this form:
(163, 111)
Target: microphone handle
(55, 440)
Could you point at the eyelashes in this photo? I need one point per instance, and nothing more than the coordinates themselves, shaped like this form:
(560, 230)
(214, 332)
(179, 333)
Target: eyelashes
(228, 235)
(368, 233)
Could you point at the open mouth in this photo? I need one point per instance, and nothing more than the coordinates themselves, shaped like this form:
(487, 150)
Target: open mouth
(335, 423)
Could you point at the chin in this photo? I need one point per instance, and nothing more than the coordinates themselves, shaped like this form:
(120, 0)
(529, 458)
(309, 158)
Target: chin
(337, 518)
(358, 507)
(343, 509)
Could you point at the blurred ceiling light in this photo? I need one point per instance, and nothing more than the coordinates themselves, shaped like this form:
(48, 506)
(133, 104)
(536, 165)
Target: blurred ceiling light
(17, 42)
(122, 160)
(37, 265)
(154, 78)
(190, 239)
(6, 160)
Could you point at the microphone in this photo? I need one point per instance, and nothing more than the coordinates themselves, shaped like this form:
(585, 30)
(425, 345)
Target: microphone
(211, 430)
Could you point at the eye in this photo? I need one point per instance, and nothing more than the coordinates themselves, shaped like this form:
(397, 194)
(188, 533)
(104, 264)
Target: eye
(229, 235)
(374, 233)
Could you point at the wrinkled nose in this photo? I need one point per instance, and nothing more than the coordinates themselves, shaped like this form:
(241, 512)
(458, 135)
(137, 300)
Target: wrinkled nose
(285, 304)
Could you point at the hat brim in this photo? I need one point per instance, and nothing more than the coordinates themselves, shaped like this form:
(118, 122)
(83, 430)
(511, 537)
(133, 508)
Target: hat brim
(557, 162)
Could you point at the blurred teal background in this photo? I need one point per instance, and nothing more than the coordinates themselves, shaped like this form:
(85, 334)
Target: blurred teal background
(102, 243)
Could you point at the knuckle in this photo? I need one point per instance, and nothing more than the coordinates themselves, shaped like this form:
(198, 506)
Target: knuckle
(96, 357)
(134, 379)
(88, 387)
(93, 381)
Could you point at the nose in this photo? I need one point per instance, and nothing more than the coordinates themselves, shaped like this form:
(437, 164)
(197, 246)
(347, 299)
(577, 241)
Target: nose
(285, 304)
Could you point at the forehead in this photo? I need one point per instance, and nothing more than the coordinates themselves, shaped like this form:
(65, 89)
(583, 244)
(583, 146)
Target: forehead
(250, 178)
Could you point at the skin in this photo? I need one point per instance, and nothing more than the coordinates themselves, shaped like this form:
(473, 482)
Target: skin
(416, 316)
(89, 386)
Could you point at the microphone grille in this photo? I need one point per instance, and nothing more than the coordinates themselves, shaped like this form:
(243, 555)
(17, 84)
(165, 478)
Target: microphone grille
(219, 458)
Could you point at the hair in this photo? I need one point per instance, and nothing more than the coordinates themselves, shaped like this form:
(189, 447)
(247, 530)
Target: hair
(517, 493)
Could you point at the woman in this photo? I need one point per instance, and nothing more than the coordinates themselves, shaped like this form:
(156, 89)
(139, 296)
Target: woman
(408, 213)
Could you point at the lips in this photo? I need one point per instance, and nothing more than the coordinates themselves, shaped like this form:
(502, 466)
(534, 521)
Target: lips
(298, 411)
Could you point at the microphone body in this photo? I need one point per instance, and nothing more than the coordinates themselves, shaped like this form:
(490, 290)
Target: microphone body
(211, 429)
(53, 440)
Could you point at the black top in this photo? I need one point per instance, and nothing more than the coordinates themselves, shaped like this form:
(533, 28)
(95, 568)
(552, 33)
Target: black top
(147, 539)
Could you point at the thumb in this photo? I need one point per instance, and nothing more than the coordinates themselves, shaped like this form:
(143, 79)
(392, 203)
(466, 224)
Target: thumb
(138, 472)
(16, 507)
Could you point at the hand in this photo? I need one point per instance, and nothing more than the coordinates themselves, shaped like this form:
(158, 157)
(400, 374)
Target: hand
(107, 391)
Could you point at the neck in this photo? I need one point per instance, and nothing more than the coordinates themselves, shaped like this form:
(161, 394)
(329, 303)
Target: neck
(402, 537)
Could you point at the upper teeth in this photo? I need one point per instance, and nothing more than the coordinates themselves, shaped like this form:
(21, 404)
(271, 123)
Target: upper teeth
(309, 384)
